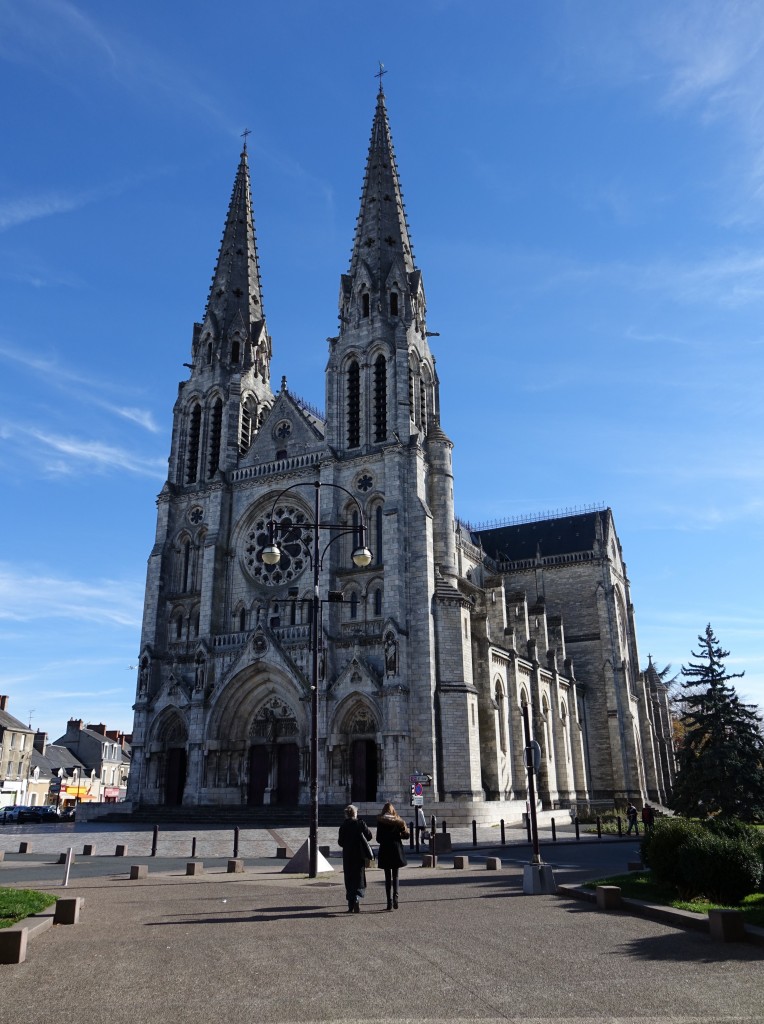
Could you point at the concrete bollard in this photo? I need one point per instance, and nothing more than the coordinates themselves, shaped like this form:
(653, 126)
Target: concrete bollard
(194, 867)
(121, 850)
(325, 851)
(427, 860)
(13, 945)
(25, 848)
(493, 864)
(68, 910)
(236, 866)
(461, 861)
(726, 925)
(608, 897)
(138, 871)
(62, 859)
(88, 850)
(281, 853)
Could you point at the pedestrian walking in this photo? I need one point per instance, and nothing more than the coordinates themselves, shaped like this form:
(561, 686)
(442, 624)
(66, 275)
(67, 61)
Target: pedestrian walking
(391, 831)
(354, 839)
(631, 817)
(648, 818)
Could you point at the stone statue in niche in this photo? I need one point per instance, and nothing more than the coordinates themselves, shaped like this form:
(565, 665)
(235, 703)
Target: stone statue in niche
(391, 655)
(143, 678)
(200, 673)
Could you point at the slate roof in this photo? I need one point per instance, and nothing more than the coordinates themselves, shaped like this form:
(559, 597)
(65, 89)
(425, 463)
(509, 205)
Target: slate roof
(7, 721)
(565, 535)
(56, 757)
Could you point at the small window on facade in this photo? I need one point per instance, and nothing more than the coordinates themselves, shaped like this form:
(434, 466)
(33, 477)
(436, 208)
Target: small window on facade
(196, 624)
(235, 352)
(209, 353)
(365, 306)
(378, 535)
(179, 627)
(242, 621)
(186, 566)
(354, 605)
(393, 303)
(378, 601)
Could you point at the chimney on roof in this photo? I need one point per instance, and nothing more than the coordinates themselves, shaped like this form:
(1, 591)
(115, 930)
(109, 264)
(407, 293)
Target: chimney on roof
(3, 703)
(73, 726)
(40, 742)
(100, 728)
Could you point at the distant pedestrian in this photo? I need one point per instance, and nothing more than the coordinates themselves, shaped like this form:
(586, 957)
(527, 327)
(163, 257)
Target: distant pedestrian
(391, 831)
(648, 819)
(354, 853)
(631, 817)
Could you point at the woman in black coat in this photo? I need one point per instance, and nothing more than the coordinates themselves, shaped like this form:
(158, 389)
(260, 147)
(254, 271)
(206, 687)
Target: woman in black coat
(391, 831)
(353, 857)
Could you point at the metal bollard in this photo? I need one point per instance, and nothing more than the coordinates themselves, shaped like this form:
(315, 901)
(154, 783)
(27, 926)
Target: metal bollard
(474, 832)
(599, 827)
(154, 841)
(554, 832)
(443, 827)
(503, 834)
(412, 829)
(193, 847)
(236, 842)
(618, 820)
(575, 822)
(433, 827)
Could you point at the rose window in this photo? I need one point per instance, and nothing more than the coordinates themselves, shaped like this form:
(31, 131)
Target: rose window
(294, 537)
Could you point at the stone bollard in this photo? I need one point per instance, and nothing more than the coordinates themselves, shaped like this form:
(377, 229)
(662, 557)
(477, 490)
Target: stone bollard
(194, 867)
(88, 850)
(608, 897)
(68, 910)
(427, 860)
(121, 850)
(62, 859)
(13, 945)
(461, 861)
(25, 848)
(236, 866)
(325, 851)
(635, 865)
(726, 925)
(281, 853)
(493, 864)
(138, 871)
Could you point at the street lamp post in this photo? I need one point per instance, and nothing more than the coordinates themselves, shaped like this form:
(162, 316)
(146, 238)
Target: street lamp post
(271, 555)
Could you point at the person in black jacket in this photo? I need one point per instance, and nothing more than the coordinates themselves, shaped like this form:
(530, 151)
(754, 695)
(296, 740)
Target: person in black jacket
(353, 857)
(391, 831)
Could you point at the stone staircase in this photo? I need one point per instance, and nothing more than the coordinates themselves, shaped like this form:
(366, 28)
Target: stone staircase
(271, 816)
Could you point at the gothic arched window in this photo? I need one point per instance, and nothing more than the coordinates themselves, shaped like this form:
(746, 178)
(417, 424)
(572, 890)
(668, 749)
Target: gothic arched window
(242, 620)
(380, 398)
(365, 304)
(393, 303)
(216, 429)
(186, 567)
(378, 601)
(354, 405)
(378, 535)
(354, 605)
(192, 454)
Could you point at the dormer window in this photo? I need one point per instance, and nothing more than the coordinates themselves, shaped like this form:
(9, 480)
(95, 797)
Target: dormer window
(365, 304)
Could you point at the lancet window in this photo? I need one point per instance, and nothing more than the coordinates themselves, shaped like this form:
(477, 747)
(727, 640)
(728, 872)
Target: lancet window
(192, 452)
(354, 405)
(216, 428)
(380, 398)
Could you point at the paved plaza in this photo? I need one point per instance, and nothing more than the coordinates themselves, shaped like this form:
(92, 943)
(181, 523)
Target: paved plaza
(270, 947)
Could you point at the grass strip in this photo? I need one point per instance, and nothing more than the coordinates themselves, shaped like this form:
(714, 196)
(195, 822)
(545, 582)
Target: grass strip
(640, 886)
(16, 904)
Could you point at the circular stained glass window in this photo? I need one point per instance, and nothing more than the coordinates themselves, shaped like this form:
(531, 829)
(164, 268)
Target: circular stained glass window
(293, 535)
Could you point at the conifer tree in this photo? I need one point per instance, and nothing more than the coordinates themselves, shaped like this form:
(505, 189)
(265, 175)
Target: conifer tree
(720, 763)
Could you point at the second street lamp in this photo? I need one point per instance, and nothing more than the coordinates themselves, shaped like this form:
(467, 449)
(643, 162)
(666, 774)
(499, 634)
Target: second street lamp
(271, 555)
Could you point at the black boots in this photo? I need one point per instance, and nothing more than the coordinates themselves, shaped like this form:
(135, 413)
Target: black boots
(351, 906)
(356, 907)
(395, 901)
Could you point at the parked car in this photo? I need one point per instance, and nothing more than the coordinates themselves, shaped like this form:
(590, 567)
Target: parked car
(67, 815)
(11, 814)
(41, 815)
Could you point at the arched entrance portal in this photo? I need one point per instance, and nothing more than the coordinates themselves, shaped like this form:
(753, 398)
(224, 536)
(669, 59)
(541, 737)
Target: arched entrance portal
(167, 767)
(274, 756)
(175, 776)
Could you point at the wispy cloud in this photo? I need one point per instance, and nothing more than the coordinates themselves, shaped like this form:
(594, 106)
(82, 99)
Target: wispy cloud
(30, 596)
(63, 456)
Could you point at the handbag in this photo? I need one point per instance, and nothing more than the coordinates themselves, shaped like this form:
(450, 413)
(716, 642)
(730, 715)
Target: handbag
(367, 851)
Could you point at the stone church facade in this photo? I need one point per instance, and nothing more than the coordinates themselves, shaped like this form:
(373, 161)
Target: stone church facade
(427, 659)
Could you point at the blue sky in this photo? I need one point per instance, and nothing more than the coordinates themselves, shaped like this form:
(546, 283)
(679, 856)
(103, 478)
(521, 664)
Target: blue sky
(585, 189)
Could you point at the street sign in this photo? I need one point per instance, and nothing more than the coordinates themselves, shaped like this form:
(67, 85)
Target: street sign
(421, 778)
(417, 789)
(417, 801)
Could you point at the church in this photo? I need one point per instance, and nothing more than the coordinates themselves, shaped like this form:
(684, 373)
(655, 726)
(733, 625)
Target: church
(425, 652)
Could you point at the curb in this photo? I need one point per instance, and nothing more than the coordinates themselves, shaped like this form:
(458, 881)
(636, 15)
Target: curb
(13, 940)
(657, 912)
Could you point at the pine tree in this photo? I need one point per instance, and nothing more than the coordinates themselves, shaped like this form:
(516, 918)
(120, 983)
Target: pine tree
(720, 763)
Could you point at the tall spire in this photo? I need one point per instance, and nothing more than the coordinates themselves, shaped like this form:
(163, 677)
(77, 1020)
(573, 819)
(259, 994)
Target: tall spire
(235, 297)
(382, 233)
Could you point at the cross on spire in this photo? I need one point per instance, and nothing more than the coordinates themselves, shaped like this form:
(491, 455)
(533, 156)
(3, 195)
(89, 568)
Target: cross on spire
(382, 71)
(244, 135)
